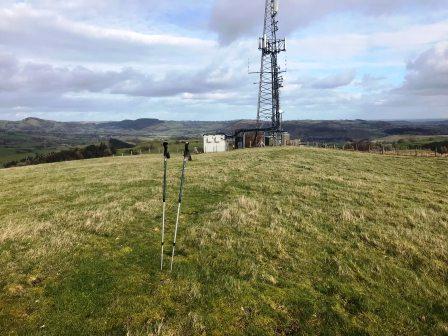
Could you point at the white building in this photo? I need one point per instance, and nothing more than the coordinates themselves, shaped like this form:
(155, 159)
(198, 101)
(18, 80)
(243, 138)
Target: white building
(214, 143)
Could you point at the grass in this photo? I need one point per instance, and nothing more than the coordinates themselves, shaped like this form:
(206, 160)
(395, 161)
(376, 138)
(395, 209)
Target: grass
(272, 242)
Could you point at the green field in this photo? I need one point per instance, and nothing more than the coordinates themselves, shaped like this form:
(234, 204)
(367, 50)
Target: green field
(413, 141)
(10, 154)
(13, 154)
(15, 146)
(275, 241)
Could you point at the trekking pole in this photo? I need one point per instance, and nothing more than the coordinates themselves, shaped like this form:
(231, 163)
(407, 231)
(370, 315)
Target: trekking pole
(187, 157)
(166, 156)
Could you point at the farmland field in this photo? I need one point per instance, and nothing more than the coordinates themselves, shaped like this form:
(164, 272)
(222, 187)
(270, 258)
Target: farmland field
(274, 241)
(12, 154)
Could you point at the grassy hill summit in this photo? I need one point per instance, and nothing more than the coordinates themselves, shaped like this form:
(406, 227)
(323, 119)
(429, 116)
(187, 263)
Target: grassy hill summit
(273, 241)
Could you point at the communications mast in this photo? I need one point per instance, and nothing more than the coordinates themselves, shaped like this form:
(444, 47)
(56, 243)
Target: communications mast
(269, 129)
(270, 73)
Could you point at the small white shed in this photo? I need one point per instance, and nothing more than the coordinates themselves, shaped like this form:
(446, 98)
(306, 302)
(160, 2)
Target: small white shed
(214, 143)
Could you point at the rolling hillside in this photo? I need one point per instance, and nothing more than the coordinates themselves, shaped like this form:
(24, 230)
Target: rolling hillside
(275, 241)
(309, 130)
(20, 139)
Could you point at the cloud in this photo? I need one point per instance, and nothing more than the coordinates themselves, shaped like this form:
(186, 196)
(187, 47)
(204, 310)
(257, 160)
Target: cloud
(329, 82)
(333, 47)
(232, 19)
(207, 80)
(8, 66)
(113, 11)
(37, 77)
(320, 104)
(38, 85)
(188, 59)
(427, 75)
(424, 93)
(335, 81)
(370, 82)
(45, 32)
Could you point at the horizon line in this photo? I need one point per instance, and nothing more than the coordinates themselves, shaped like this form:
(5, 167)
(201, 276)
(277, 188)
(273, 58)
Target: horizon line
(229, 120)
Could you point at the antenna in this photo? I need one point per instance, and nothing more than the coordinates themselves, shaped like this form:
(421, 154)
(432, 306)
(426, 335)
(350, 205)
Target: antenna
(270, 73)
(269, 114)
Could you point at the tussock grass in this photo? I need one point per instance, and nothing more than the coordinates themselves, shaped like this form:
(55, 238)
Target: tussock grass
(272, 242)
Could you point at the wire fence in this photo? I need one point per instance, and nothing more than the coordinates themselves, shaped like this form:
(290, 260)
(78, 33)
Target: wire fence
(379, 149)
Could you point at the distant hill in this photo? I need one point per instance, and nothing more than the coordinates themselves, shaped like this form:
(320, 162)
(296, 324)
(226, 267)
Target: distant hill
(140, 127)
(36, 125)
(354, 130)
(308, 130)
(138, 124)
(33, 134)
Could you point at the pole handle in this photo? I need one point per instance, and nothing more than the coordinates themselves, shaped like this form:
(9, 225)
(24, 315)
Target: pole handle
(187, 154)
(166, 153)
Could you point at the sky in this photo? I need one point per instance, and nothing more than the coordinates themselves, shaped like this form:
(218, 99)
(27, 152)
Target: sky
(80, 60)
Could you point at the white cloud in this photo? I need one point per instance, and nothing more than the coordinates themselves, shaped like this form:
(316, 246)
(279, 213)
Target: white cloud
(335, 81)
(26, 84)
(428, 74)
(424, 93)
(232, 19)
(45, 32)
(343, 47)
